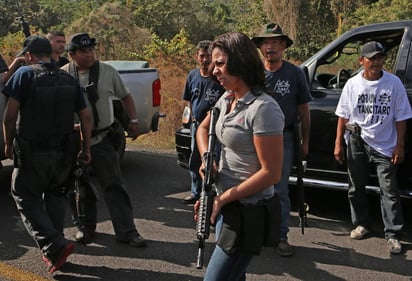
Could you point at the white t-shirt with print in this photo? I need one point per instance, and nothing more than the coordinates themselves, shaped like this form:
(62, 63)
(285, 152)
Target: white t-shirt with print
(375, 106)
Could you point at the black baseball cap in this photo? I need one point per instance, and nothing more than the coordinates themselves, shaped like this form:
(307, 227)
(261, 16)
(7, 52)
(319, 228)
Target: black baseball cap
(80, 41)
(371, 49)
(36, 44)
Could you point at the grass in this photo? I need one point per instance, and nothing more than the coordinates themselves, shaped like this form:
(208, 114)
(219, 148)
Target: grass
(172, 79)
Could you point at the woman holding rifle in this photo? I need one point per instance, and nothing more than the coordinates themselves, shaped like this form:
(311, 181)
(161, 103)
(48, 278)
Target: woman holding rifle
(249, 127)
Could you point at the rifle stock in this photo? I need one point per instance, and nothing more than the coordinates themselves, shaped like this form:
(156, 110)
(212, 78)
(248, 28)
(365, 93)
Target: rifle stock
(207, 194)
(302, 206)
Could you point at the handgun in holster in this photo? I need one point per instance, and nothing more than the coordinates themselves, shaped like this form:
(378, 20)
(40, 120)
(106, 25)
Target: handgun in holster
(355, 132)
(354, 129)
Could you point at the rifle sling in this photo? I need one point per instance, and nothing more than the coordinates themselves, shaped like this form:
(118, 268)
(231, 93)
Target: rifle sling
(93, 78)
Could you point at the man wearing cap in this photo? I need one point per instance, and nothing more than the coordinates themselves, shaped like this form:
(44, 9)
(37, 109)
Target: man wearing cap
(101, 81)
(287, 84)
(44, 145)
(372, 110)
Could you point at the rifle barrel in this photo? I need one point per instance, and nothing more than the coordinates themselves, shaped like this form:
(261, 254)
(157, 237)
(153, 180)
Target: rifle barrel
(206, 196)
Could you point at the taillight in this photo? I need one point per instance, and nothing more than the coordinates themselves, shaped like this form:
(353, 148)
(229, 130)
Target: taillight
(156, 92)
(186, 116)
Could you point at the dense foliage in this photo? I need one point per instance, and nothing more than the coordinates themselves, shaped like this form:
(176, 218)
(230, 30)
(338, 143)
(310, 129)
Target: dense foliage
(164, 32)
(310, 23)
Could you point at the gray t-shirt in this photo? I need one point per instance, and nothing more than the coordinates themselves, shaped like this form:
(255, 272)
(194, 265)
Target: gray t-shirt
(253, 115)
(109, 86)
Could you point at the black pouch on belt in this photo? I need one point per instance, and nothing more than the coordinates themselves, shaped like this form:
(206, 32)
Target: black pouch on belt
(253, 230)
(272, 221)
(261, 225)
(231, 228)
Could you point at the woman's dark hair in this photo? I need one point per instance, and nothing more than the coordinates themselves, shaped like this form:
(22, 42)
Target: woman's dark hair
(243, 59)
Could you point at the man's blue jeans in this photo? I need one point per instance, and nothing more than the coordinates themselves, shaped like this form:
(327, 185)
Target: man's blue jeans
(360, 157)
(224, 267)
(282, 188)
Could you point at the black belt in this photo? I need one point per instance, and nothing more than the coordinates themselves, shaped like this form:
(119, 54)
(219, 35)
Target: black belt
(101, 131)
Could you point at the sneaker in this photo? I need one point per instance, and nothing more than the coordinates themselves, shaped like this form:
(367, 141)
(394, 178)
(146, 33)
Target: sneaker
(55, 261)
(189, 200)
(394, 246)
(359, 232)
(85, 236)
(284, 249)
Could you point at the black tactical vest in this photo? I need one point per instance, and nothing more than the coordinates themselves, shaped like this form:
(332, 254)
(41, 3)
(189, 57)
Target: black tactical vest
(47, 115)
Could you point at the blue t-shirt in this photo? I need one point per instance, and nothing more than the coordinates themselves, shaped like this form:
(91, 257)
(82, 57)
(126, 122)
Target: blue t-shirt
(202, 92)
(289, 88)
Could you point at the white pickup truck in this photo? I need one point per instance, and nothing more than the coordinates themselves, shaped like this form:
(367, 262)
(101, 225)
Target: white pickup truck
(144, 85)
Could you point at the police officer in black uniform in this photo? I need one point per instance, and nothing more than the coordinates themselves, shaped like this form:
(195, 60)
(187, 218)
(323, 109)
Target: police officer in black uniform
(44, 145)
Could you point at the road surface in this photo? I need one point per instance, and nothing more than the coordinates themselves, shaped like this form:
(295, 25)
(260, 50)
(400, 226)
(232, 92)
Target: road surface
(156, 186)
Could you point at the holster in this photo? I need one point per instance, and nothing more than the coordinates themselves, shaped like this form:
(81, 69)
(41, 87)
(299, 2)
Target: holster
(354, 129)
(231, 227)
(22, 152)
(355, 133)
(248, 228)
(116, 134)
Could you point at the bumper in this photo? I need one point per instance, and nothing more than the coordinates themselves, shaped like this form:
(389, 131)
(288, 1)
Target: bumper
(183, 140)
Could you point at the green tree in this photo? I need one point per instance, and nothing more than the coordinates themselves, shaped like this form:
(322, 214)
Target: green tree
(310, 23)
(380, 11)
(341, 9)
(11, 10)
(114, 28)
(164, 17)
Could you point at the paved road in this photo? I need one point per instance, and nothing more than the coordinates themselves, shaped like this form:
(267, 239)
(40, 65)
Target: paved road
(156, 186)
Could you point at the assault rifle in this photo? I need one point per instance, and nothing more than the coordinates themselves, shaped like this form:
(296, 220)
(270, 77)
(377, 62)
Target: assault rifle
(24, 25)
(81, 176)
(300, 170)
(22, 21)
(207, 194)
(82, 182)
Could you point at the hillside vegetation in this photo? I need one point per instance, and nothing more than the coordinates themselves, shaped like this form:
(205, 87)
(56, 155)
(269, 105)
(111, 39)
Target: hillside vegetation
(164, 32)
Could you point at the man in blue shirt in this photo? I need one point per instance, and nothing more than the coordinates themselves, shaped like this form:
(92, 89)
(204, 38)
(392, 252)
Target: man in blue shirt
(201, 92)
(44, 145)
(287, 84)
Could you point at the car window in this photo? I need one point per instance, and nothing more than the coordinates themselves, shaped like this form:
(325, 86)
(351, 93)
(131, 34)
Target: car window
(334, 70)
